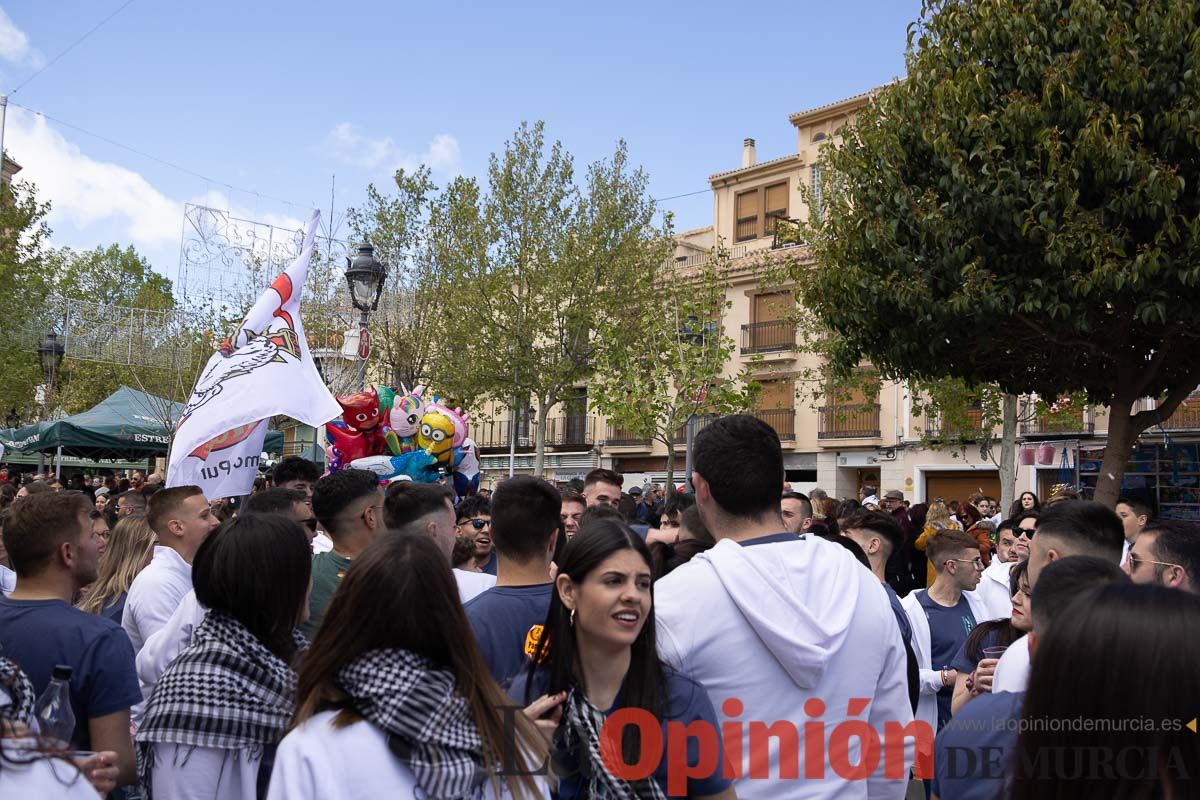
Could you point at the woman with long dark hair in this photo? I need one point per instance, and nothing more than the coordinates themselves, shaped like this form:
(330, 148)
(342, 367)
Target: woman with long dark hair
(599, 649)
(221, 707)
(394, 698)
(1095, 663)
(975, 665)
(1027, 501)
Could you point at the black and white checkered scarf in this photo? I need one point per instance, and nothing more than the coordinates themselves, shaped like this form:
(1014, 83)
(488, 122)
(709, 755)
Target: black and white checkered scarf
(18, 687)
(580, 735)
(226, 690)
(428, 723)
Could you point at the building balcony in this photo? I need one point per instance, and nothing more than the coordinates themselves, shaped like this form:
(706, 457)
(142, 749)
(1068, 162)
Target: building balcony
(848, 421)
(774, 336)
(969, 428)
(570, 432)
(680, 436)
(1186, 416)
(781, 420)
(1069, 423)
(619, 437)
(787, 233)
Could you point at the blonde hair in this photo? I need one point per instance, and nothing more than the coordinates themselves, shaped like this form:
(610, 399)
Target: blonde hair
(938, 515)
(130, 546)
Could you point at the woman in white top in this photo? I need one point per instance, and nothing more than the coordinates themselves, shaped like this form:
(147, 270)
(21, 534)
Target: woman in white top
(394, 699)
(220, 709)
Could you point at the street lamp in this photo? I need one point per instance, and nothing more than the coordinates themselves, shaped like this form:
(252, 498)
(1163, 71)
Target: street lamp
(50, 355)
(365, 277)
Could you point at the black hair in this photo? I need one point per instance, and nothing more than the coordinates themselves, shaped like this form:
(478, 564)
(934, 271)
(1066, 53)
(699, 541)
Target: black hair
(1092, 529)
(1009, 524)
(859, 554)
(1016, 508)
(602, 475)
(628, 508)
(526, 512)
(1177, 542)
(1140, 506)
(806, 507)
(847, 507)
(256, 569)
(1151, 631)
(604, 511)
(644, 685)
(273, 501)
(1006, 632)
(878, 522)
(1064, 579)
(473, 506)
(741, 459)
(691, 519)
(677, 503)
(337, 491)
(408, 501)
(463, 552)
(295, 468)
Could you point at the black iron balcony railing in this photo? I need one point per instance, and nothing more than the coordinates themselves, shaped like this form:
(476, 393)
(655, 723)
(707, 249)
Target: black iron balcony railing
(1063, 423)
(768, 337)
(848, 421)
(619, 437)
(781, 420)
(569, 432)
(968, 428)
(787, 233)
(681, 432)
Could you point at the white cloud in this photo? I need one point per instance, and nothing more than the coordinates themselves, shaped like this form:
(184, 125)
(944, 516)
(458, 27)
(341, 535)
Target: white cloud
(14, 44)
(351, 147)
(84, 192)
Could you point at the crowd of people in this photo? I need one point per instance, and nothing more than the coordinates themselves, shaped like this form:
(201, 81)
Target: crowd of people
(329, 637)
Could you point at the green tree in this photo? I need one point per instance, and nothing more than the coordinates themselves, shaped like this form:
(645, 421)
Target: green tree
(1024, 210)
(674, 371)
(530, 270)
(398, 226)
(24, 284)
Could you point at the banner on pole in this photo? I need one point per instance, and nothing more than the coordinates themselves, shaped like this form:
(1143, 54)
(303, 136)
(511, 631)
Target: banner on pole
(263, 370)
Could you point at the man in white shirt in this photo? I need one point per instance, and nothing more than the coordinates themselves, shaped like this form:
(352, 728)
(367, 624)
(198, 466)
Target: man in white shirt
(1134, 514)
(182, 519)
(427, 509)
(1067, 528)
(993, 588)
(780, 628)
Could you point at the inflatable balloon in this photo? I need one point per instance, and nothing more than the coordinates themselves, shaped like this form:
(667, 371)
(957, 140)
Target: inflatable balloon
(441, 431)
(360, 433)
(466, 470)
(406, 420)
(416, 465)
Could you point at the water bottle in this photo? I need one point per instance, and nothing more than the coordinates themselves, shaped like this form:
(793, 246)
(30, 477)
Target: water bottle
(56, 720)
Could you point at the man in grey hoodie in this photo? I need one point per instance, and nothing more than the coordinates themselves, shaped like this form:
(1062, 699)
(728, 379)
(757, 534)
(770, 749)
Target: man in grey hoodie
(793, 638)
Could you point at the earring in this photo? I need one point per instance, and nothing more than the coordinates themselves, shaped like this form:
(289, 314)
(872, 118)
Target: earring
(571, 619)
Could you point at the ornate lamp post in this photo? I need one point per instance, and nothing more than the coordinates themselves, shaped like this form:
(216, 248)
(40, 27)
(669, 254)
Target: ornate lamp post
(365, 276)
(50, 355)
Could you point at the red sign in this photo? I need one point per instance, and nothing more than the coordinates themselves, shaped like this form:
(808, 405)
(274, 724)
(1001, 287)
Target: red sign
(364, 344)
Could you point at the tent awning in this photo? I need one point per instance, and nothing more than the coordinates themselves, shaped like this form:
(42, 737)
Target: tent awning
(127, 424)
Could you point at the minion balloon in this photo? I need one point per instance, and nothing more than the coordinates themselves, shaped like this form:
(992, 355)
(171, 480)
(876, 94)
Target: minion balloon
(441, 431)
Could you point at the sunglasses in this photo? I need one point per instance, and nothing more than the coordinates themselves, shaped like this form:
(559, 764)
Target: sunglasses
(477, 524)
(1026, 532)
(1134, 560)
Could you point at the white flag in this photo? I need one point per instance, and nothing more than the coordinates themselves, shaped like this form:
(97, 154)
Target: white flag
(264, 370)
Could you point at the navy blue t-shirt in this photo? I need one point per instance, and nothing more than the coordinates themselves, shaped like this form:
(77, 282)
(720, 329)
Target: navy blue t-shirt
(964, 663)
(490, 566)
(971, 754)
(948, 629)
(507, 621)
(39, 634)
(686, 702)
(901, 615)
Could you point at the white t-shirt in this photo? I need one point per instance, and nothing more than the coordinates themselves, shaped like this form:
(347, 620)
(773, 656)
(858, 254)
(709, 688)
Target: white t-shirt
(8, 580)
(1012, 671)
(321, 543)
(321, 762)
(21, 777)
(204, 773)
(155, 594)
(472, 584)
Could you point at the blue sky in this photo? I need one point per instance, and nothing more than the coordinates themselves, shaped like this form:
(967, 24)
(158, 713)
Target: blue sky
(279, 96)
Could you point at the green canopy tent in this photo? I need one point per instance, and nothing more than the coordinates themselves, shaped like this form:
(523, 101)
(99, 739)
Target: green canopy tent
(126, 425)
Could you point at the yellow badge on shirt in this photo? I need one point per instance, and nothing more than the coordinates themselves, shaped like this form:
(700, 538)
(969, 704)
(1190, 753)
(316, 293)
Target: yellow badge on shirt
(532, 639)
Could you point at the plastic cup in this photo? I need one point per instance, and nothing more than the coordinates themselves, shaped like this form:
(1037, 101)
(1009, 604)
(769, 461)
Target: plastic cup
(993, 652)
